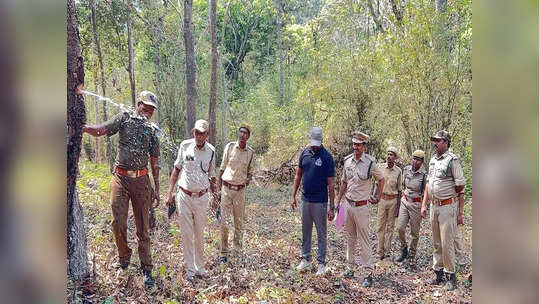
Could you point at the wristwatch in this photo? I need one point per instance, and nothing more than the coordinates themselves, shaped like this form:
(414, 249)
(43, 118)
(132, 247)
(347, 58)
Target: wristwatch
(332, 208)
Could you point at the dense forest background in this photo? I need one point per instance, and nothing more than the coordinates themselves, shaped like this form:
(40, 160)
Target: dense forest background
(397, 70)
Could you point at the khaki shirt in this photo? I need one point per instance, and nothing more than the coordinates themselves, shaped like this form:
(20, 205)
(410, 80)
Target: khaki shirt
(138, 139)
(196, 165)
(355, 174)
(412, 181)
(237, 164)
(445, 172)
(393, 179)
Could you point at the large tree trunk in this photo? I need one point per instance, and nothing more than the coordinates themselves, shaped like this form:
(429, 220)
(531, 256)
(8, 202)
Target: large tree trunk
(103, 83)
(77, 258)
(96, 121)
(131, 65)
(213, 81)
(281, 81)
(190, 67)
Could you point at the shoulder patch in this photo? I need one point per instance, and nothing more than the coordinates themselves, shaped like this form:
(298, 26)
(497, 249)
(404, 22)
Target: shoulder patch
(348, 156)
(369, 157)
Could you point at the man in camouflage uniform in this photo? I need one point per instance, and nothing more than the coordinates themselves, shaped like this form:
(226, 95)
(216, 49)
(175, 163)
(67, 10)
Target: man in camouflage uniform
(235, 174)
(444, 182)
(414, 180)
(356, 184)
(138, 140)
(391, 194)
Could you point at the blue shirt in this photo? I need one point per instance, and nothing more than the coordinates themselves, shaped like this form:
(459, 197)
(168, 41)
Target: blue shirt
(317, 167)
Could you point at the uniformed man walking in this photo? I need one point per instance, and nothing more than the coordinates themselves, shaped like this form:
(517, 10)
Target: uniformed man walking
(391, 194)
(194, 173)
(409, 209)
(235, 174)
(138, 140)
(444, 182)
(317, 169)
(359, 167)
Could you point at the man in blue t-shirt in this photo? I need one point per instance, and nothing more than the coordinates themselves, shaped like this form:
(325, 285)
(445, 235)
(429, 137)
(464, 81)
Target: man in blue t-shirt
(317, 168)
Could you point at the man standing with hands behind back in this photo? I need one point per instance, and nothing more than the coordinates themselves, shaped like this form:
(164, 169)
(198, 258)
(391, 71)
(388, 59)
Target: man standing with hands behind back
(317, 169)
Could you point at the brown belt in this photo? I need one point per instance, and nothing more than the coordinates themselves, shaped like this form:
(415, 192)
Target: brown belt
(388, 196)
(444, 202)
(233, 187)
(131, 173)
(194, 194)
(357, 203)
(415, 199)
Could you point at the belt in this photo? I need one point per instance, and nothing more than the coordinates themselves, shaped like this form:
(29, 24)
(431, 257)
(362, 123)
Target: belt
(233, 187)
(444, 202)
(415, 199)
(388, 196)
(357, 203)
(194, 194)
(131, 173)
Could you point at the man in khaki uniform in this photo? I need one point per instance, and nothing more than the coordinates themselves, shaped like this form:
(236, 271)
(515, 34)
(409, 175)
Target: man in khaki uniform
(359, 167)
(409, 210)
(444, 182)
(234, 175)
(195, 167)
(391, 194)
(137, 140)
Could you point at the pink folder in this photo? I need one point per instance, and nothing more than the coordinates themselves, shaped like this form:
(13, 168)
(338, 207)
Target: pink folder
(341, 216)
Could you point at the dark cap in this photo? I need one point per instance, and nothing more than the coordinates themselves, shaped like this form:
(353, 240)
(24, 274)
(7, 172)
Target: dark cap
(442, 134)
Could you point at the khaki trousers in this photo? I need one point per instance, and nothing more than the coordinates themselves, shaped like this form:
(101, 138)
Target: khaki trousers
(386, 223)
(138, 190)
(357, 229)
(460, 254)
(192, 219)
(232, 213)
(444, 227)
(409, 212)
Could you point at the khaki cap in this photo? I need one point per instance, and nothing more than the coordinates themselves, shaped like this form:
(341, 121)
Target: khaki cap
(419, 153)
(360, 137)
(442, 134)
(393, 149)
(148, 98)
(246, 126)
(202, 125)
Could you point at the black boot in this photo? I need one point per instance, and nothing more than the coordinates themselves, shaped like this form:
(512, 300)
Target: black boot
(451, 283)
(439, 278)
(149, 279)
(404, 254)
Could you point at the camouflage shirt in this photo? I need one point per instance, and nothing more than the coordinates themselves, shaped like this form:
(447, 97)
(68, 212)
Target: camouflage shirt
(138, 139)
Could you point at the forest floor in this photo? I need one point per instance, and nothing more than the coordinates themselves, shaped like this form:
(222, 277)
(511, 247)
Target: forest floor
(263, 273)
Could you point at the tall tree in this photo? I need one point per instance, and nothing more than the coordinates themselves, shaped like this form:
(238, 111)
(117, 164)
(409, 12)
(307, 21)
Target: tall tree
(281, 81)
(190, 66)
(131, 64)
(77, 258)
(103, 83)
(213, 81)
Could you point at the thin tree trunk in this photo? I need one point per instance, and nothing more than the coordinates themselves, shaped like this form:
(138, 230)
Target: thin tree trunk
(130, 67)
(77, 257)
(213, 81)
(223, 105)
(376, 16)
(96, 106)
(281, 81)
(103, 84)
(190, 67)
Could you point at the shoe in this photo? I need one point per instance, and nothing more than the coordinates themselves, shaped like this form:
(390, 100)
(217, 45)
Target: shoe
(451, 283)
(222, 260)
(122, 265)
(439, 278)
(348, 273)
(190, 277)
(321, 269)
(149, 279)
(202, 275)
(404, 255)
(367, 282)
(303, 265)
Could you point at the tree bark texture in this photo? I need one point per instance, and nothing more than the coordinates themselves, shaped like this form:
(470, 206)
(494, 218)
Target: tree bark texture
(190, 67)
(213, 80)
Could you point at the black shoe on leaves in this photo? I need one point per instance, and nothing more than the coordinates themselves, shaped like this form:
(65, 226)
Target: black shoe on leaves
(149, 279)
(404, 255)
